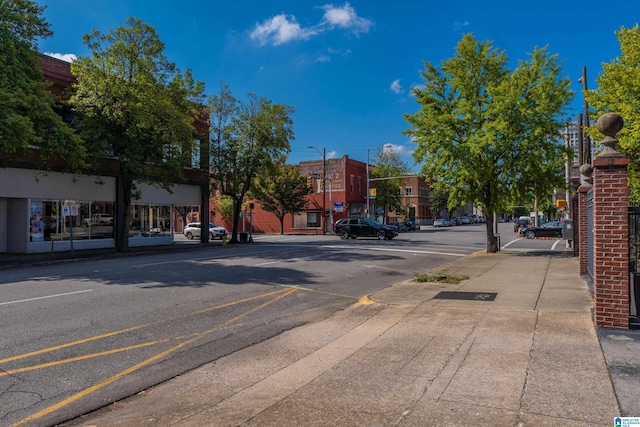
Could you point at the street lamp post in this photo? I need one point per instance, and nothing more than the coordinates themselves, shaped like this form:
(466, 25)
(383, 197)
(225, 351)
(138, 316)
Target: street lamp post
(324, 187)
(368, 179)
(324, 178)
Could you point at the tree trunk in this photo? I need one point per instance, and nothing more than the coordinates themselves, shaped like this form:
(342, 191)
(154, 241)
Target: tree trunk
(123, 201)
(237, 207)
(492, 240)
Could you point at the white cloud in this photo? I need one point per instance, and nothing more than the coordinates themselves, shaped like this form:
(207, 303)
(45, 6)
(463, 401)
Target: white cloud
(281, 29)
(396, 86)
(460, 25)
(401, 150)
(345, 17)
(67, 57)
(332, 155)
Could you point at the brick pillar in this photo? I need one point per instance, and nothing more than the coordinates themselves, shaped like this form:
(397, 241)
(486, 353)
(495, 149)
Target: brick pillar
(610, 230)
(583, 250)
(586, 171)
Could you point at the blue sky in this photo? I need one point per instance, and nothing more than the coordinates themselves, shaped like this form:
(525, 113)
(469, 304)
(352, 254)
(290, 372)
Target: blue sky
(347, 68)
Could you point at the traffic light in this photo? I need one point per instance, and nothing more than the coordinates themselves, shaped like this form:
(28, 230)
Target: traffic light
(309, 182)
(322, 185)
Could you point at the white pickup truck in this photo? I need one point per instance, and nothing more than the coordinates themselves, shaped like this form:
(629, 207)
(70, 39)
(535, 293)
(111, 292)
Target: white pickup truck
(98, 219)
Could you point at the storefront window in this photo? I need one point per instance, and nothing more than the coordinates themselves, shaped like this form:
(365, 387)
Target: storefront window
(147, 220)
(62, 219)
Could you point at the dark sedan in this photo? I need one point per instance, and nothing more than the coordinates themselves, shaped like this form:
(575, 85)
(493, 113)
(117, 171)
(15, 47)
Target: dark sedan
(364, 227)
(549, 229)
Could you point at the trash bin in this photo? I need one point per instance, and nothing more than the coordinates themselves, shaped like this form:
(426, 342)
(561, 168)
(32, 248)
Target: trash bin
(244, 237)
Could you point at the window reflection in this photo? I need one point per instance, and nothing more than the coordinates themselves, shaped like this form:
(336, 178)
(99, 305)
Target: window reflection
(147, 220)
(60, 219)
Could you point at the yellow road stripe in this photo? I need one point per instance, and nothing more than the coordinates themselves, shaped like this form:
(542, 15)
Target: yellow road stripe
(146, 362)
(289, 292)
(70, 344)
(77, 359)
(110, 334)
(232, 303)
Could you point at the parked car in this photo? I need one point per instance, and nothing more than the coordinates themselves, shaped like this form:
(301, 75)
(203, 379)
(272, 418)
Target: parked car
(98, 219)
(465, 220)
(412, 225)
(364, 227)
(442, 222)
(402, 227)
(549, 229)
(192, 230)
(522, 222)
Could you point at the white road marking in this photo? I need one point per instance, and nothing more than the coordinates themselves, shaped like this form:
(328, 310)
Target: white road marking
(45, 297)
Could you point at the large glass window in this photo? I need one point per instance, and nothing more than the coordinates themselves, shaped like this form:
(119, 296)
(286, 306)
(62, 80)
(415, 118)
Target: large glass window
(146, 220)
(67, 219)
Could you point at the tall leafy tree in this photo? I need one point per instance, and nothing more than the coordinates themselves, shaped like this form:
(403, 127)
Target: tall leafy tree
(247, 138)
(28, 114)
(618, 92)
(489, 132)
(388, 165)
(135, 105)
(281, 192)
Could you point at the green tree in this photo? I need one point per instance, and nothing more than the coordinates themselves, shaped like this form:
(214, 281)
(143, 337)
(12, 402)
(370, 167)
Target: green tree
(224, 205)
(388, 165)
(282, 191)
(135, 105)
(28, 114)
(618, 92)
(439, 199)
(489, 132)
(247, 138)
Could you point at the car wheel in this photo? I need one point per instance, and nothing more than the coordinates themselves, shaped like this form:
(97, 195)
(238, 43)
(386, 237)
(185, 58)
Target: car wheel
(530, 234)
(381, 235)
(344, 235)
(211, 236)
(189, 235)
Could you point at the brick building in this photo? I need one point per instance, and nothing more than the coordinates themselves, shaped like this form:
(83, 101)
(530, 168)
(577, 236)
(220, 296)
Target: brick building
(345, 189)
(52, 211)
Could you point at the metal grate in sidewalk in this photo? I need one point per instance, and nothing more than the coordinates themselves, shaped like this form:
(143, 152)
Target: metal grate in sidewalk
(468, 296)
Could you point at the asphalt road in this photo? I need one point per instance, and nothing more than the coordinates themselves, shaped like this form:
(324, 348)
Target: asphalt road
(76, 337)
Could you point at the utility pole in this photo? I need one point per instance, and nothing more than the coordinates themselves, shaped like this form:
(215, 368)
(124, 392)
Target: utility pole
(587, 140)
(324, 187)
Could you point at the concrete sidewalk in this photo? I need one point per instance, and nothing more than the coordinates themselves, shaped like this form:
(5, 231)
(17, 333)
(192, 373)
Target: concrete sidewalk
(531, 357)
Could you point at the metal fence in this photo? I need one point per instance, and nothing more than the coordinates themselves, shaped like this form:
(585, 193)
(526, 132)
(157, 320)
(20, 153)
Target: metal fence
(634, 265)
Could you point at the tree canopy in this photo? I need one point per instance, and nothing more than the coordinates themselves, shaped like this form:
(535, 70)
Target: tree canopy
(388, 165)
(135, 105)
(618, 92)
(491, 134)
(27, 110)
(247, 138)
(282, 191)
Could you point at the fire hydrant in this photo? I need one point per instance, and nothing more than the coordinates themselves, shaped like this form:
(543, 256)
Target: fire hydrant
(224, 240)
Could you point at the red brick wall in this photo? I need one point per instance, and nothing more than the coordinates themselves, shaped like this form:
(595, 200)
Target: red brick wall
(583, 249)
(611, 244)
(58, 73)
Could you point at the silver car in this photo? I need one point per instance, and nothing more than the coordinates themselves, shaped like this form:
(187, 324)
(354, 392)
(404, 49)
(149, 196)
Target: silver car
(192, 230)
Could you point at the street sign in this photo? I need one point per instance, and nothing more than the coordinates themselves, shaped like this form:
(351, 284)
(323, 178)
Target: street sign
(338, 206)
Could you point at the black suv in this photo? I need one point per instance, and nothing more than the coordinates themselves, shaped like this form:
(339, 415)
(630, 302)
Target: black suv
(364, 227)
